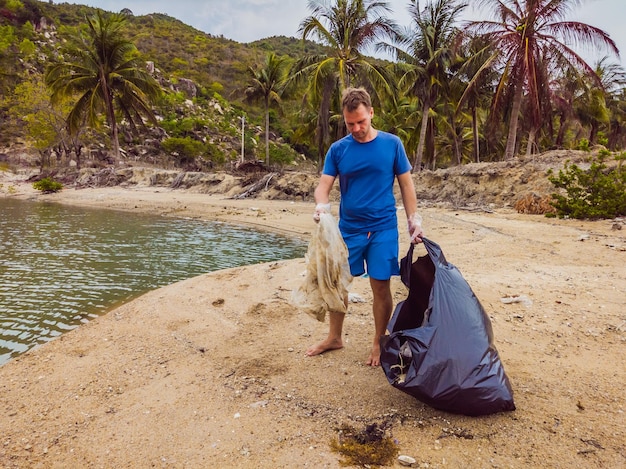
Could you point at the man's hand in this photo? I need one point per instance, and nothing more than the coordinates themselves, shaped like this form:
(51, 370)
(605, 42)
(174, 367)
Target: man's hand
(414, 223)
(319, 209)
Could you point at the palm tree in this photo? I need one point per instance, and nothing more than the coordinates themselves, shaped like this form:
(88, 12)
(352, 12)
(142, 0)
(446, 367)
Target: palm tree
(529, 36)
(348, 28)
(100, 72)
(565, 88)
(480, 77)
(267, 84)
(613, 78)
(426, 53)
(454, 127)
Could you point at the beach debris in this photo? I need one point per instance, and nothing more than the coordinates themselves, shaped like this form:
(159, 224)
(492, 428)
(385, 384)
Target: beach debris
(258, 404)
(328, 275)
(507, 300)
(405, 460)
(368, 447)
(405, 353)
(355, 298)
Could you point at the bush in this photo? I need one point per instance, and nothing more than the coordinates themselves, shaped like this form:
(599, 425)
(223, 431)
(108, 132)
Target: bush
(599, 192)
(282, 154)
(47, 185)
(583, 145)
(185, 149)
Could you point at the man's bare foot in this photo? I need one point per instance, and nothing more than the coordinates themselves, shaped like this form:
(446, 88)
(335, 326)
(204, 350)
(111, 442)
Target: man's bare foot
(374, 358)
(324, 346)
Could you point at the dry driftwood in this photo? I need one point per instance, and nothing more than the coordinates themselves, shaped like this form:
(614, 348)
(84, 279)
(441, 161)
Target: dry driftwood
(256, 187)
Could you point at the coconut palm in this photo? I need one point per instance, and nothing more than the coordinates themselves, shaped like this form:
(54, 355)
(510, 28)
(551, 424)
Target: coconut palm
(100, 71)
(426, 53)
(348, 28)
(530, 36)
(267, 84)
(565, 88)
(613, 77)
(481, 78)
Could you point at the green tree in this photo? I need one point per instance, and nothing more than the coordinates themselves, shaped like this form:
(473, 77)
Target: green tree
(267, 84)
(426, 53)
(9, 72)
(613, 77)
(348, 28)
(589, 107)
(530, 36)
(100, 71)
(480, 75)
(43, 123)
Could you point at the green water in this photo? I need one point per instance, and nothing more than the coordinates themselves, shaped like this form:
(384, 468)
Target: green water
(61, 266)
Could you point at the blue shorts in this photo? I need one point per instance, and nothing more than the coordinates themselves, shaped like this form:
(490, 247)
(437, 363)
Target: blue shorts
(378, 250)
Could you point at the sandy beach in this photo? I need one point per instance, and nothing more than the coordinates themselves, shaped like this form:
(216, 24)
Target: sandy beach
(211, 371)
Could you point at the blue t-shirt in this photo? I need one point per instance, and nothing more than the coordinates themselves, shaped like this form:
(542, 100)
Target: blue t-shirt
(367, 172)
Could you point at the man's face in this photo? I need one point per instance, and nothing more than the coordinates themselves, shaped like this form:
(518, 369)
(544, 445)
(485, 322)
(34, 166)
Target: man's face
(359, 123)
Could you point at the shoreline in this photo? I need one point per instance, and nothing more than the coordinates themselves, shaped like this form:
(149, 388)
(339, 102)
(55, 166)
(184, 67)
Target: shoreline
(283, 217)
(211, 370)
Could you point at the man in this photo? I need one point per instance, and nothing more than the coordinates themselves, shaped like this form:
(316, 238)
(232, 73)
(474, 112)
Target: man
(367, 162)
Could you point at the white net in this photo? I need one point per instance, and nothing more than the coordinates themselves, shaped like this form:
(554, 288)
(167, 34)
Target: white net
(327, 280)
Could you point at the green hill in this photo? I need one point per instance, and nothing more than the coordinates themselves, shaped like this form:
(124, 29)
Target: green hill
(214, 67)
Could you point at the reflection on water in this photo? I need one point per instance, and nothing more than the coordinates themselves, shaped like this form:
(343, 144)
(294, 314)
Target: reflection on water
(61, 266)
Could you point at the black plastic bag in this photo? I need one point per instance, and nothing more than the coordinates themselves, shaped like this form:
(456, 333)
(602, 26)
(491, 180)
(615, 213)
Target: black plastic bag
(440, 349)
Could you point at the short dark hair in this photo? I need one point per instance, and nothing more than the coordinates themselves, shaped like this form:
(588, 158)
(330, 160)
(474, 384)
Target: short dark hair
(352, 98)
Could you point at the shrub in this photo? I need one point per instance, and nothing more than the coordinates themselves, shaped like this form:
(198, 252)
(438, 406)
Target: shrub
(599, 192)
(185, 149)
(583, 145)
(184, 127)
(47, 185)
(282, 154)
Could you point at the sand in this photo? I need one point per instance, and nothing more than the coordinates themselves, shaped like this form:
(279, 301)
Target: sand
(211, 371)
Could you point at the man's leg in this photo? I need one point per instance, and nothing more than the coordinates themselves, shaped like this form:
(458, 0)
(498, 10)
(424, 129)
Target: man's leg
(382, 306)
(333, 341)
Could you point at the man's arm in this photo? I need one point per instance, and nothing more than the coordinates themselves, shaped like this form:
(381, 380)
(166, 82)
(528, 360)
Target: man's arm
(322, 196)
(407, 189)
(409, 200)
(322, 191)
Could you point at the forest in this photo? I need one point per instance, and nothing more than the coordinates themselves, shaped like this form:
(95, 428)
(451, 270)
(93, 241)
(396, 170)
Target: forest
(80, 83)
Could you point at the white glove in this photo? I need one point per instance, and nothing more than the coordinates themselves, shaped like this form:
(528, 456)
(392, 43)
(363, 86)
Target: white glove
(319, 209)
(414, 223)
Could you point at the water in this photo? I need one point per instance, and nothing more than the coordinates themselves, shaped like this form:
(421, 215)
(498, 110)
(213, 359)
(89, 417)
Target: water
(61, 266)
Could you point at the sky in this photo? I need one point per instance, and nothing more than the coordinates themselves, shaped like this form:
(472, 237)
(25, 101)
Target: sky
(250, 20)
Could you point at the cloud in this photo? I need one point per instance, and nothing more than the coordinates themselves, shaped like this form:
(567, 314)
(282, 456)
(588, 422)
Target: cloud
(250, 20)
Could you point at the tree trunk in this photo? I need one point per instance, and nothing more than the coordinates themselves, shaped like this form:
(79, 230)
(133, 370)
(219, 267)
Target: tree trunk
(457, 150)
(110, 112)
(532, 137)
(475, 134)
(267, 135)
(115, 139)
(593, 134)
(320, 144)
(561, 135)
(323, 124)
(420, 146)
(78, 150)
(511, 140)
